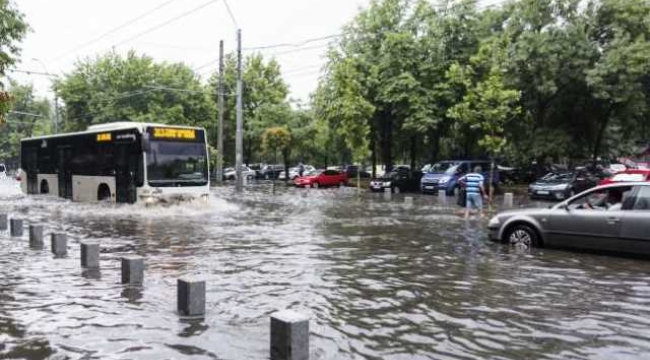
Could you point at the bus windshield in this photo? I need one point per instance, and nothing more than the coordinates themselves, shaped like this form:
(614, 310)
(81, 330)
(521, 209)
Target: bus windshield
(172, 163)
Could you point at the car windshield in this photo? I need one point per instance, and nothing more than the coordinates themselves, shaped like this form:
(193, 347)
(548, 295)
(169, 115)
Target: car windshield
(172, 163)
(442, 167)
(452, 170)
(558, 177)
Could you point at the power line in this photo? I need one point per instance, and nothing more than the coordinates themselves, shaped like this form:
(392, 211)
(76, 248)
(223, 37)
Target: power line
(232, 17)
(113, 31)
(165, 23)
(29, 72)
(297, 44)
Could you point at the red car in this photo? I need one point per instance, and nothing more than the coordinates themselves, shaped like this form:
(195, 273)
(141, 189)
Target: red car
(322, 178)
(628, 176)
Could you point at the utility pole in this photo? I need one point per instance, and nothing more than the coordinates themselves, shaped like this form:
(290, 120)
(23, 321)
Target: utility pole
(220, 96)
(239, 139)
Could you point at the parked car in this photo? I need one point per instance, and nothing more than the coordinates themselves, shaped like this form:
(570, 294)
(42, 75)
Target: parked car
(294, 172)
(444, 176)
(562, 185)
(353, 170)
(322, 178)
(614, 218)
(628, 176)
(271, 172)
(3, 171)
(400, 179)
(231, 173)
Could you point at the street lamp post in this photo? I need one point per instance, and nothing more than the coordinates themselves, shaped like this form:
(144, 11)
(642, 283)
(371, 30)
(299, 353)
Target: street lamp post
(56, 98)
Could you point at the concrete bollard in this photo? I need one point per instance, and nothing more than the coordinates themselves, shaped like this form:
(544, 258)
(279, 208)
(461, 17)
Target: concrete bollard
(133, 270)
(442, 197)
(36, 236)
(190, 295)
(509, 200)
(388, 193)
(289, 336)
(90, 254)
(16, 227)
(59, 244)
(4, 222)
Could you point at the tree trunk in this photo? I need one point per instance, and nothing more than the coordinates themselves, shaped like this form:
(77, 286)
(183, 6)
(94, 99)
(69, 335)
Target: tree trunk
(600, 136)
(386, 144)
(435, 146)
(373, 154)
(413, 151)
(285, 157)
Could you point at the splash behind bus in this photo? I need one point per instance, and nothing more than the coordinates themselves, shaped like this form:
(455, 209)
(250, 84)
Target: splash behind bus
(123, 162)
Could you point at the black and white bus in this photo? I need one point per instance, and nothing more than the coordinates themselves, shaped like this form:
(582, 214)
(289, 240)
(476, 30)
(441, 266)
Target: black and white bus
(122, 162)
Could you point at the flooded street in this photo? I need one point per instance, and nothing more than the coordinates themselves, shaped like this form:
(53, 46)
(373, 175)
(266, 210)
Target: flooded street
(379, 279)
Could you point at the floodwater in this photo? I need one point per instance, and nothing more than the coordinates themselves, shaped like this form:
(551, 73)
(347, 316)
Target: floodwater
(379, 279)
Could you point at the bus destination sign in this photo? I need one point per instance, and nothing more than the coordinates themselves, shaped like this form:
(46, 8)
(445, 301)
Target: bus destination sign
(103, 137)
(174, 133)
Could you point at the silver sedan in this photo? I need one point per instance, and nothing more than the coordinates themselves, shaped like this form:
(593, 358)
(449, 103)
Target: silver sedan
(611, 218)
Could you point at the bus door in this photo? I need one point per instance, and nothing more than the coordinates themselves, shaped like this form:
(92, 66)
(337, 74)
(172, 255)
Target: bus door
(65, 171)
(31, 168)
(126, 165)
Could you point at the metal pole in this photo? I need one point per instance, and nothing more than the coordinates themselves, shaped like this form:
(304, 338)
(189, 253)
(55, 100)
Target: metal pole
(239, 140)
(220, 96)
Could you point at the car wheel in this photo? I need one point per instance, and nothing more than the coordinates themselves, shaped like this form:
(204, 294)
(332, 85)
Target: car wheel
(522, 236)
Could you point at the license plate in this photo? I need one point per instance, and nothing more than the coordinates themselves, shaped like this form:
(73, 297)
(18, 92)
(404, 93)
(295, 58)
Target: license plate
(429, 187)
(543, 192)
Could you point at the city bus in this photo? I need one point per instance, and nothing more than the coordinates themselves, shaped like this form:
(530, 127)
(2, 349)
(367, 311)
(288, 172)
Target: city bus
(122, 162)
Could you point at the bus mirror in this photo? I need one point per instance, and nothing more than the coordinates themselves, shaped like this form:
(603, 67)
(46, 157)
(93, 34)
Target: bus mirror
(145, 142)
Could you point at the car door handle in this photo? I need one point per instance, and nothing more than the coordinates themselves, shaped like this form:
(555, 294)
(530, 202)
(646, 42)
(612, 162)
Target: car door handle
(613, 220)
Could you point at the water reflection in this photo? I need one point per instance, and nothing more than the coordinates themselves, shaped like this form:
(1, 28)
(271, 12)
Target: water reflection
(380, 279)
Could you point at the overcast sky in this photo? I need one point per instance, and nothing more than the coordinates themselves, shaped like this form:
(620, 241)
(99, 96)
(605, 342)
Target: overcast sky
(64, 31)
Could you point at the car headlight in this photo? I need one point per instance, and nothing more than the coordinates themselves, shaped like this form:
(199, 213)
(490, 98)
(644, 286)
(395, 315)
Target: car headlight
(386, 183)
(444, 179)
(494, 222)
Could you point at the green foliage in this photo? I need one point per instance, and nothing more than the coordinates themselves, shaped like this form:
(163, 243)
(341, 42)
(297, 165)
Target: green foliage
(12, 31)
(133, 88)
(264, 103)
(28, 117)
(527, 80)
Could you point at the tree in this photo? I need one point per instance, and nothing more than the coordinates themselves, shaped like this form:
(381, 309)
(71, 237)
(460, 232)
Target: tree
(133, 88)
(264, 101)
(277, 139)
(488, 108)
(29, 117)
(12, 31)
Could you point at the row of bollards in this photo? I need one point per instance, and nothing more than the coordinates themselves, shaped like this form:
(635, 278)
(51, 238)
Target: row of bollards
(289, 330)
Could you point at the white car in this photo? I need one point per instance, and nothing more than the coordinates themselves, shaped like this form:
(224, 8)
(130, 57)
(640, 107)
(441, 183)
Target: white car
(294, 172)
(3, 171)
(231, 173)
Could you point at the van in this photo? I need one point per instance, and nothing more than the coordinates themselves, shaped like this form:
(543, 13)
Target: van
(445, 175)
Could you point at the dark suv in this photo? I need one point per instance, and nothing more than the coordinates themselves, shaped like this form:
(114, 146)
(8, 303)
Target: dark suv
(444, 176)
(271, 172)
